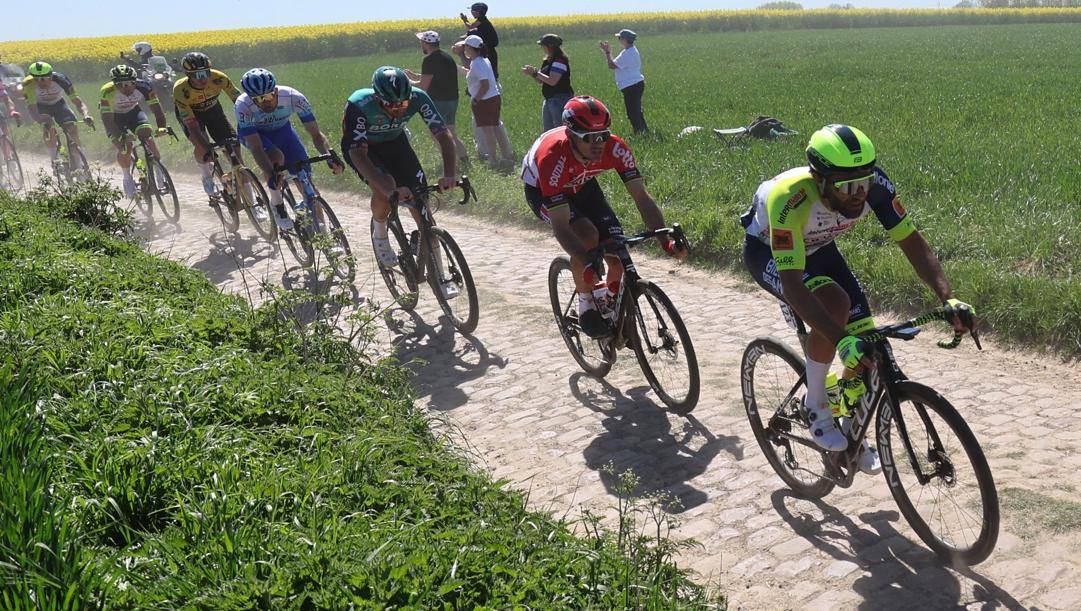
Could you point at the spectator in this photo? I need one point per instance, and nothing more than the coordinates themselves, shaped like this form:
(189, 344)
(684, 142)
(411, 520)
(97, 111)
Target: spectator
(629, 79)
(439, 79)
(486, 100)
(483, 28)
(554, 75)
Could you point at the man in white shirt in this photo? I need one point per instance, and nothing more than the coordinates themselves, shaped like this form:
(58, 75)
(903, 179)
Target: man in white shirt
(629, 79)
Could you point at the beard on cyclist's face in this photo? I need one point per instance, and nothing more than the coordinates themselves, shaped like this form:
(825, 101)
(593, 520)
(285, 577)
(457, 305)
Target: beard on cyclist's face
(267, 103)
(589, 151)
(845, 194)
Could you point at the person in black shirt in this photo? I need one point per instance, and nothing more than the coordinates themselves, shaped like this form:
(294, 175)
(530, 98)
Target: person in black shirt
(439, 79)
(483, 28)
(554, 75)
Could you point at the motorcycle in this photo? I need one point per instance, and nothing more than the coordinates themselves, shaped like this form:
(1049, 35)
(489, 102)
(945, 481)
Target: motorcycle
(161, 76)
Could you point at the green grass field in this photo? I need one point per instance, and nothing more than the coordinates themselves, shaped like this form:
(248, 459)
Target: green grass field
(969, 122)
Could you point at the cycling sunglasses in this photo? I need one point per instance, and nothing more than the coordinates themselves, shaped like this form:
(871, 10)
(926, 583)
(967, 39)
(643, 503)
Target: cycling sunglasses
(199, 74)
(851, 186)
(404, 104)
(594, 137)
(266, 97)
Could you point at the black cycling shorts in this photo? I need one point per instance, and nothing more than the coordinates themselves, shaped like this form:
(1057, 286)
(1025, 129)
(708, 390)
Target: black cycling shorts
(213, 122)
(823, 265)
(60, 112)
(589, 203)
(395, 158)
(131, 120)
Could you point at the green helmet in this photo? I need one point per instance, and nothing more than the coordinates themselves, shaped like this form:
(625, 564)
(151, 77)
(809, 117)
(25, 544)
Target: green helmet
(391, 84)
(840, 148)
(123, 73)
(40, 69)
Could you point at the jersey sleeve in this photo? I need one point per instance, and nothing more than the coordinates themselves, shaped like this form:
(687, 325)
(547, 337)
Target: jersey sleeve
(222, 81)
(887, 207)
(426, 109)
(550, 168)
(30, 90)
(64, 82)
(108, 93)
(788, 210)
(147, 90)
(302, 107)
(243, 112)
(180, 101)
(622, 160)
(354, 128)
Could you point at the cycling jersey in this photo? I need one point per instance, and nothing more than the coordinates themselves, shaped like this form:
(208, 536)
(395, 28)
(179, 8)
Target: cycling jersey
(47, 91)
(190, 100)
(115, 101)
(366, 121)
(788, 214)
(551, 167)
(251, 119)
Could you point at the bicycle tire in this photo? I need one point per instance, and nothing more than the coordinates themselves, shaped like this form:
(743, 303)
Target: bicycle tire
(225, 204)
(564, 306)
(294, 238)
(143, 200)
(249, 199)
(343, 264)
(923, 399)
(14, 180)
(161, 185)
(758, 391)
(456, 269)
(405, 273)
(83, 172)
(644, 347)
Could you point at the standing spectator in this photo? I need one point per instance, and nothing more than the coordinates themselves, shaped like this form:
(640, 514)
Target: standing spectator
(629, 79)
(486, 100)
(439, 79)
(483, 28)
(554, 75)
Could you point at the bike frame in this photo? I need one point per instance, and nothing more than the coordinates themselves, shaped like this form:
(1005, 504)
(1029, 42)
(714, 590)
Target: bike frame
(419, 204)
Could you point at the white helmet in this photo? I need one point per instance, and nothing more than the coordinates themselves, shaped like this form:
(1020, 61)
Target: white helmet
(142, 48)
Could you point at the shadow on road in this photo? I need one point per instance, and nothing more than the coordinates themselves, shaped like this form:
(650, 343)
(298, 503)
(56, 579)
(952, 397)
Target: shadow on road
(899, 573)
(229, 254)
(639, 436)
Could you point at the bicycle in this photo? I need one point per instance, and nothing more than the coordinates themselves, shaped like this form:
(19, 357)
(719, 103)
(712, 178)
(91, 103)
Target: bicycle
(237, 189)
(419, 261)
(772, 379)
(645, 320)
(315, 226)
(67, 169)
(153, 179)
(12, 178)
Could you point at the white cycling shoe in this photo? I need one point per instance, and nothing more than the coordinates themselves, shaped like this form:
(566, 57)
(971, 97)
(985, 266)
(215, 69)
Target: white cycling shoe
(259, 211)
(449, 289)
(824, 429)
(130, 188)
(868, 460)
(383, 252)
(284, 222)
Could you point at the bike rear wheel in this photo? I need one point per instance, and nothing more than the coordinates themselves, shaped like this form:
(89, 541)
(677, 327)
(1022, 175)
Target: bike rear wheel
(250, 193)
(595, 357)
(664, 350)
(447, 264)
(401, 280)
(333, 243)
(12, 180)
(78, 167)
(773, 382)
(956, 511)
(161, 186)
(297, 239)
(225, 204)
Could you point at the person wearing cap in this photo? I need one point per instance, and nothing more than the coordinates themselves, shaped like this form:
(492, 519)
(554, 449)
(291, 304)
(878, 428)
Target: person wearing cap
(554, 76)
(439, 78)
(486, 100)
(629, 79)
(480, 26)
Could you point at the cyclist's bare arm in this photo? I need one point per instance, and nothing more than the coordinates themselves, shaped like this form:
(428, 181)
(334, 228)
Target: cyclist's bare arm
(381, 184)
(649, 210)
(926, 264)
(319, 139)
(159, 112)
(108, 120)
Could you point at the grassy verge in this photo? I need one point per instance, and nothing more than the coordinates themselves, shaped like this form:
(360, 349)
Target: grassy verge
(164, 446)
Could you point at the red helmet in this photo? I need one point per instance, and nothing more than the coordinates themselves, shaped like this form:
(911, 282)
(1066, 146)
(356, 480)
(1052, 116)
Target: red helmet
(585, 114)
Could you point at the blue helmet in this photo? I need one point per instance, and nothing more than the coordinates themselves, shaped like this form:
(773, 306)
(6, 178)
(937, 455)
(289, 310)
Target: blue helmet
(258, 81)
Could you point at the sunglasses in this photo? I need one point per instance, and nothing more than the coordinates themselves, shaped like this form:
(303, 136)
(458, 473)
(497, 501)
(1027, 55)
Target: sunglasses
(404, 104)
(199, 74)
(594, 137)
(266, 97)
(852, 186)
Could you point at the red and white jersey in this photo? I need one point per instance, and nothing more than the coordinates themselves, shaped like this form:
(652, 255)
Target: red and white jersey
(551, 167)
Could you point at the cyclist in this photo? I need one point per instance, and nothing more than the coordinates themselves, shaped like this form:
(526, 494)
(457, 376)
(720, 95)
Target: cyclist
(120, 113)
(790, 251)
(262, 116)
(560, 175)
(44, 90)
(200, 113)
(378, 150)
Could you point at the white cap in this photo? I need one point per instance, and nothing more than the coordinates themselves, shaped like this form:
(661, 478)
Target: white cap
(431, 37)
(474, 41)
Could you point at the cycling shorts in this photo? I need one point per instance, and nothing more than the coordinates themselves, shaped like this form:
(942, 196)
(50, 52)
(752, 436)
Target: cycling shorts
(132, 120)
(60, 112)
(394, 158)
(212, 121)
(588, 203)
(823, 265)
(286, 140)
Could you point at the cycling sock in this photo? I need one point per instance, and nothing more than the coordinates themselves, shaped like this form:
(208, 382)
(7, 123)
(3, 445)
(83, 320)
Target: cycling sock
(816, 382)
(585, 302)
(379, 229)
(276, 199)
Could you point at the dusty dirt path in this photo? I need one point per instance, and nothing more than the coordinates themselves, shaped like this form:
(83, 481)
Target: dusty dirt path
(533, 418)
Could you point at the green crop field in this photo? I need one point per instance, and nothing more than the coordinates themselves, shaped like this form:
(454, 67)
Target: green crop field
(970, 122)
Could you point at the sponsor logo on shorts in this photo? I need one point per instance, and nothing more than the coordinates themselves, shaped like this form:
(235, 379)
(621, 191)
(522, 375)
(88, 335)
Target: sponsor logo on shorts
(782, 239)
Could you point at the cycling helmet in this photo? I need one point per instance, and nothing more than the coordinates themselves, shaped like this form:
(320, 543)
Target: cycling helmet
(258, 81)
(391, 84)
(585, 114)
(195, 61)
(142, 48)
(840, 148)
(40, 69)
(123, 73)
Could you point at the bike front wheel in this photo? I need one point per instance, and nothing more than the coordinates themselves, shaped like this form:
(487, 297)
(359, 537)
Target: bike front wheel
(773, 381)
(333, 243)
(251, 194)
(160, 185)
(594, 356)
(954, 509)
(447, 267)
(664, 350)
(12, 180)
(298, 239)
(401, 279)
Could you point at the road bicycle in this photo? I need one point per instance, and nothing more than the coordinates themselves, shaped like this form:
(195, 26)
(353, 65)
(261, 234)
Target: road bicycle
(12, 178)
(315, 226)
(152, 178)
(445, 267)
(69, 164)
(643, 318)
(239, 189)
(931, 460)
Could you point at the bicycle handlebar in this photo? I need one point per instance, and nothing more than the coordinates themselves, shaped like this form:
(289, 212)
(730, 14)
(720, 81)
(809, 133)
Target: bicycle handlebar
(675, 232)
(463, 182)
(907, 329)
(295, 166)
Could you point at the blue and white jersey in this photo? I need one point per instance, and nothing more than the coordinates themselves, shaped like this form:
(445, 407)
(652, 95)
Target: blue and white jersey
(251, 120)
